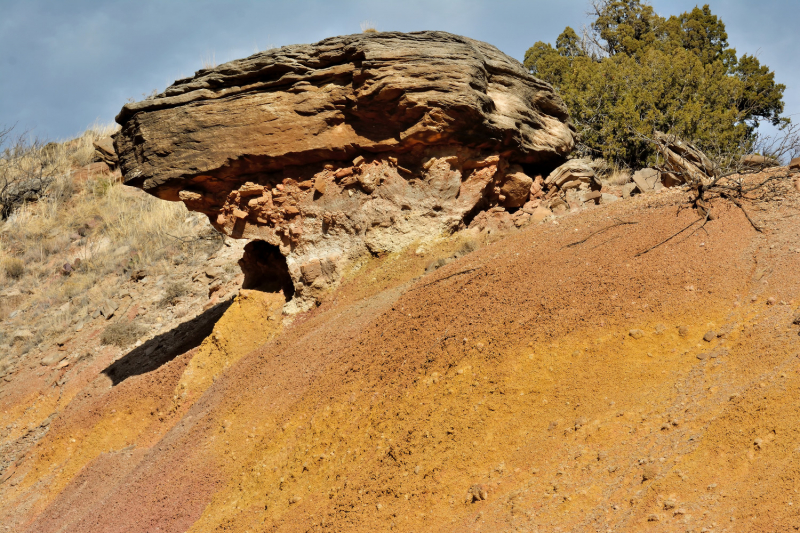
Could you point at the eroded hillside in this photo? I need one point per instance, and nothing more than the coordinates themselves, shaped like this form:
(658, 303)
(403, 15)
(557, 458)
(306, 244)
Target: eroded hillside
(531, 384)
(438, 323)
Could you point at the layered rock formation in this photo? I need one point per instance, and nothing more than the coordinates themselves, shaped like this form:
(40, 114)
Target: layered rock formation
(358, 143)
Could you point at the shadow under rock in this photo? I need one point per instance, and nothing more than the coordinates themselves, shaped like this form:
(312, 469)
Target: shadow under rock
(163, 348)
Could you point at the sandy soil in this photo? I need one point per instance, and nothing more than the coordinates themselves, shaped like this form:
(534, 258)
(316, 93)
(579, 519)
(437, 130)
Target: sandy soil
(552, 380)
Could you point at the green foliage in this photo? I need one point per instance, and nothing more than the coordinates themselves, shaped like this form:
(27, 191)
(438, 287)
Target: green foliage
(637, 72)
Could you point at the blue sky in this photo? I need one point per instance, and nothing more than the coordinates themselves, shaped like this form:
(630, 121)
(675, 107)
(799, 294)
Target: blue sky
(66, 64)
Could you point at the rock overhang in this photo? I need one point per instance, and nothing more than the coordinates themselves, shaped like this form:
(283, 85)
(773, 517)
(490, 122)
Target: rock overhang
(360, 142)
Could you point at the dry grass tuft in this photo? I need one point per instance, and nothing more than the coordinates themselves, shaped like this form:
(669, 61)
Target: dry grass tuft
(368, 27)
(122, 333)
(617, 176)
(14, 267)
(174, 292)
(78, 243)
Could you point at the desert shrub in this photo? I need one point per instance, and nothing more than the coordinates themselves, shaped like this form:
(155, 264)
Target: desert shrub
(173, 293)
(14, 267)
(634, 72)
(122, 333)
(467, 247)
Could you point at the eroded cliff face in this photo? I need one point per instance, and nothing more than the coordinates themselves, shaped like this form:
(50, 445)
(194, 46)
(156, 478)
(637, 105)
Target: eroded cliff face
(362, 143)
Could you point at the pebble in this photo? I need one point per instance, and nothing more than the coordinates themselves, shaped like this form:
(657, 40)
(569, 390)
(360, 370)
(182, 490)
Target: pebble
(636, 333)
(683, 331)
(649, 473)
(709, 336)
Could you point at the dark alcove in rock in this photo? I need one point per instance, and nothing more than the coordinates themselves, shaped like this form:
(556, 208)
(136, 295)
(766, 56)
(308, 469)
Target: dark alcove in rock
(265, 269)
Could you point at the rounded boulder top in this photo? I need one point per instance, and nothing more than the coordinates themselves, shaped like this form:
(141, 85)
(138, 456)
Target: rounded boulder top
(333, 100)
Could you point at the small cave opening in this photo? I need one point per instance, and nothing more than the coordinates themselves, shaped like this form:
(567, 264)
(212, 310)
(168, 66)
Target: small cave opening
(265, 269)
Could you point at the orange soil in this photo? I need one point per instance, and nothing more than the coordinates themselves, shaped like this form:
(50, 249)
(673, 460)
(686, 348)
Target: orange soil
(513, 368)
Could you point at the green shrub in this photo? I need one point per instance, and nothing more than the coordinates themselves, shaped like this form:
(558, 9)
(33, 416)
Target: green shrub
(636, 72)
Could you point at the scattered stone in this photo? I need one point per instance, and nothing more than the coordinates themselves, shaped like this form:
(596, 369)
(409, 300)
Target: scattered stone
(108, 308)
(53, 359)
(343, 172)
(476, 493)
(22, 335)
(652, 518)
(683, 331)
(709, 336)
(660, 329)
(636, 333)
(540, 213)
(104, 152)
(320, 185)
(213, 272)
(756, 161)
(647, 179)
(794, 164)
(628, 189)
(591, 196)
(516, 188)
(702, 356)
(649, 472)
(607, 198)
(575, 173)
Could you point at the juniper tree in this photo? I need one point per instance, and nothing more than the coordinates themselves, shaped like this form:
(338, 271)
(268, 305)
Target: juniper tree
(635, 72)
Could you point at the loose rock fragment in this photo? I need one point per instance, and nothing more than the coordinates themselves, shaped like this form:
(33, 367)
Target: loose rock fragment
(636, 333)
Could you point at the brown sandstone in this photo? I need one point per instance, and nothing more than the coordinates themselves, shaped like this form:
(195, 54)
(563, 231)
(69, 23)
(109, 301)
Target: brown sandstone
(356, 144)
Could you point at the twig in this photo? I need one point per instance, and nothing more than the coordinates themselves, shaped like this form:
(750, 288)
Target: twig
(704, 219)
(446, 277)
(598, 232)
(738, 204)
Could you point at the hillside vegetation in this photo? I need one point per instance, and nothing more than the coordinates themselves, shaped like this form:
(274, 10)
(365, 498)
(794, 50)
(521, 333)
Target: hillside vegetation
(633, 72)
(65, 251)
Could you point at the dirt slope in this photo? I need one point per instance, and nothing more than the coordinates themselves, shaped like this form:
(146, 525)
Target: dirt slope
(532, 385)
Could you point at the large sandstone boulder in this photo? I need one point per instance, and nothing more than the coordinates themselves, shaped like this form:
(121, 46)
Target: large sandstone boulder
(357, 143)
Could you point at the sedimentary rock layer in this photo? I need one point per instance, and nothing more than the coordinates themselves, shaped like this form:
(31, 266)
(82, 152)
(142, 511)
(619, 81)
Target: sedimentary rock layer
(361, 142)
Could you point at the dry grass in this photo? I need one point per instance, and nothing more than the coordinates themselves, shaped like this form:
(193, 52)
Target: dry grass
(368, 26)
(122, 333)
(617, 176)
(98, 227)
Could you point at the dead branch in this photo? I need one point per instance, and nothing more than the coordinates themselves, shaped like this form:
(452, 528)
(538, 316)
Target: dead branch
(704, 219)
(738, 204)
(598, 232)
(447, 277)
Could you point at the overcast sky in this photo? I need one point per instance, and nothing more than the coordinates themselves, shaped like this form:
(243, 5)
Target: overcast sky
(65, 64)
